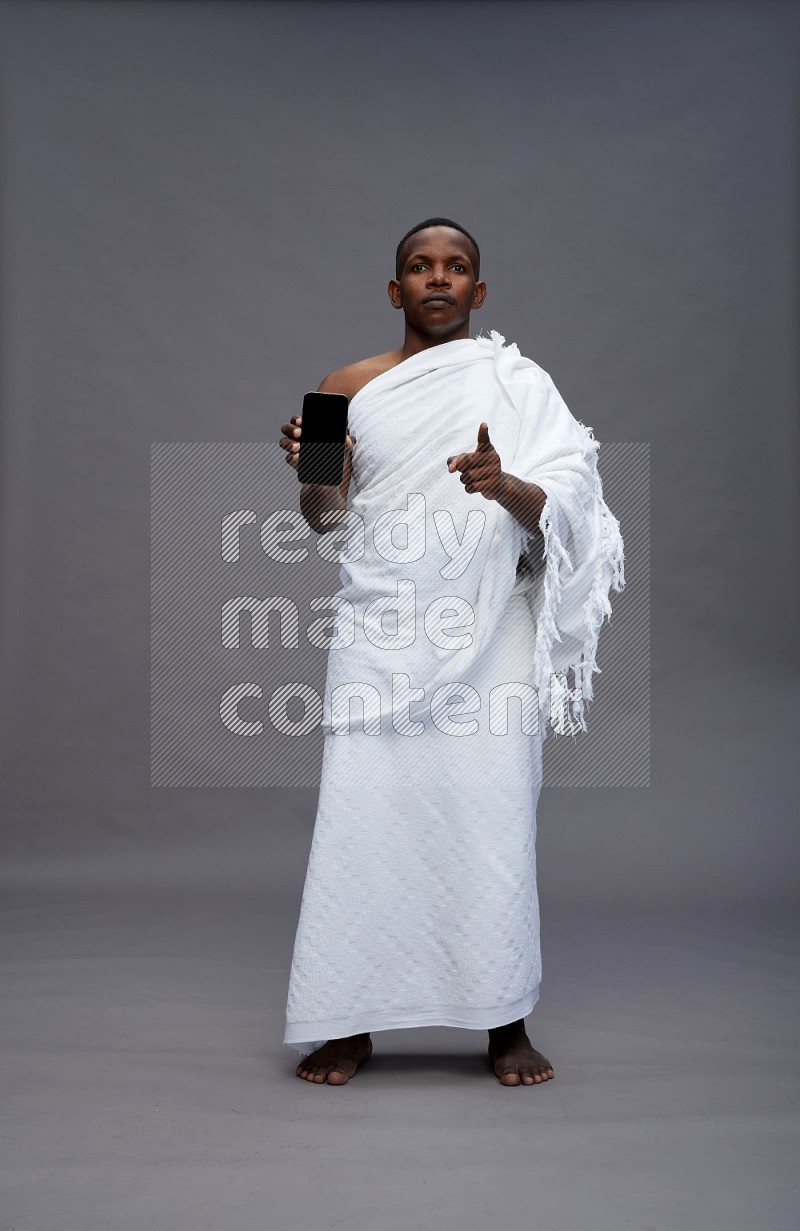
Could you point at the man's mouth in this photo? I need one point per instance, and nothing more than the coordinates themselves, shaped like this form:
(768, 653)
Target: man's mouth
(438, 299)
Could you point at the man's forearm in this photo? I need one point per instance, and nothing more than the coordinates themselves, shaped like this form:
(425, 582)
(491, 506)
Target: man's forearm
(316, 500)
(524, 501)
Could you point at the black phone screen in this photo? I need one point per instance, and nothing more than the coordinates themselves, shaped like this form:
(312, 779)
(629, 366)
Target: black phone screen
(322, 439)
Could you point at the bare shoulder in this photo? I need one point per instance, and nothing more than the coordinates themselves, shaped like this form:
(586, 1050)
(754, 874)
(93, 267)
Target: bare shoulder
(353, 376)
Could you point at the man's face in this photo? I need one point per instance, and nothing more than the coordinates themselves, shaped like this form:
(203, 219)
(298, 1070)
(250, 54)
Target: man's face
(437, 289)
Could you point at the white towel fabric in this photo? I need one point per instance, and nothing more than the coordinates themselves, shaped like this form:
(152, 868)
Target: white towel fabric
(420, 904)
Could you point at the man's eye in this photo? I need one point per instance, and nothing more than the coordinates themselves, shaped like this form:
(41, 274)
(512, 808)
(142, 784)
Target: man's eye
(457, 266)
(418, 266)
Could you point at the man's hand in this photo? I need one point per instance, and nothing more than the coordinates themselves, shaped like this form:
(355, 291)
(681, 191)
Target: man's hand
(480, 471)
(316, 499)
(290, 441)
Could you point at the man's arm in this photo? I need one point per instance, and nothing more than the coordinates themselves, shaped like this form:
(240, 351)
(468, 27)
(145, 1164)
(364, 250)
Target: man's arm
(524, 501)
(481, 472)
(315, 500)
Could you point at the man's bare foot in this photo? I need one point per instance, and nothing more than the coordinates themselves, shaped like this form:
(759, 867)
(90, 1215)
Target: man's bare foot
(336, 1061)
(513, 1058)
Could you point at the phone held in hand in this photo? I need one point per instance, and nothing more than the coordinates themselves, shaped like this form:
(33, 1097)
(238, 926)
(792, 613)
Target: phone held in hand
(322, 439)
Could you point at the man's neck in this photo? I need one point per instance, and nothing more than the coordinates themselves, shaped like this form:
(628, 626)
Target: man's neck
(414, 341)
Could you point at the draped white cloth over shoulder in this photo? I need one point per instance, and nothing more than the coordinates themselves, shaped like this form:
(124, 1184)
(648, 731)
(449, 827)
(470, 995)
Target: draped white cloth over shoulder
(420, 904)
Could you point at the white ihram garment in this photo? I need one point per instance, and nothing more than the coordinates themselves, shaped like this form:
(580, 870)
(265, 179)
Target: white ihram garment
(420, 904)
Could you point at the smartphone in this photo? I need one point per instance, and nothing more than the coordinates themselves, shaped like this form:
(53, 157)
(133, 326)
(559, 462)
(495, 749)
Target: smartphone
(322, 439)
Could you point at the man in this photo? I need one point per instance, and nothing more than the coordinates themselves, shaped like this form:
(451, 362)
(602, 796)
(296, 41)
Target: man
(420, 904)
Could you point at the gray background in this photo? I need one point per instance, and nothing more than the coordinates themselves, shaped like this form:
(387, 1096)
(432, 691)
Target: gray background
(200, 206)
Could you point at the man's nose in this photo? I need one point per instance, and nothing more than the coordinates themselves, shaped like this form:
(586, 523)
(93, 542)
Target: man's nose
(439, 275)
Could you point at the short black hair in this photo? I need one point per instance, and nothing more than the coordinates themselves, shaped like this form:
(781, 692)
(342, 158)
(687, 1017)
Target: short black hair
(438, 222)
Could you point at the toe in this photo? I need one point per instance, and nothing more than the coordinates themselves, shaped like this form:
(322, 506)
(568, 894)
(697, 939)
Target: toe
(509, 1077)
(527, 1077)
(337, 1077)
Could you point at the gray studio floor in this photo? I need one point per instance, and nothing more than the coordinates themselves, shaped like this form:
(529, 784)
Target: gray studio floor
(146, 1085)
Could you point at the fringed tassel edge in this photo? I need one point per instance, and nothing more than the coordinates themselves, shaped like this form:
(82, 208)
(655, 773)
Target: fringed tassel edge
(551, 689)
(562, 707)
